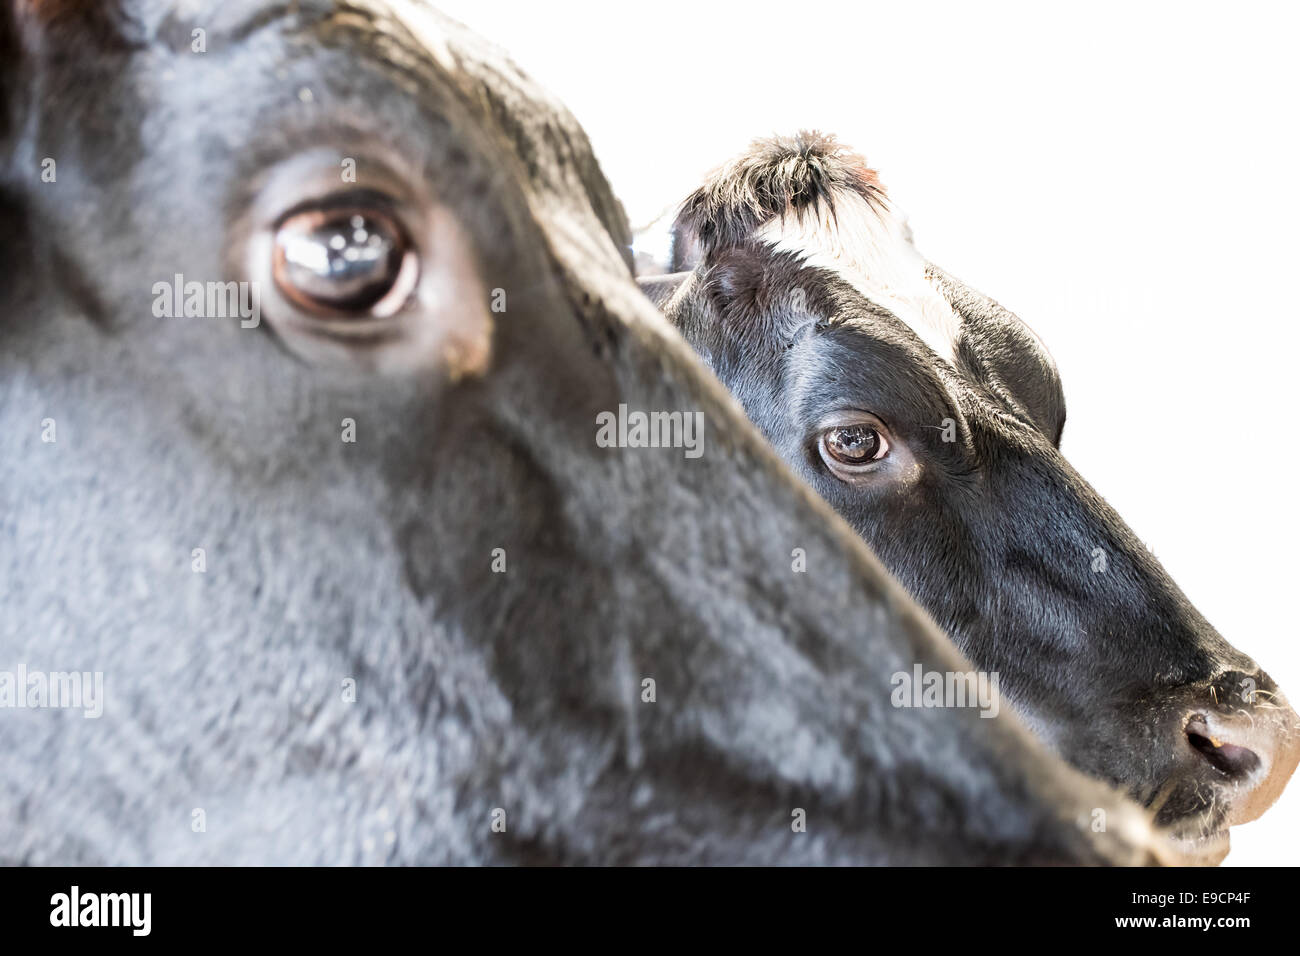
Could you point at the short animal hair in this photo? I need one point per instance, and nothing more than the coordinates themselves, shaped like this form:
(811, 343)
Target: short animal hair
(102, 22)
(775, 177)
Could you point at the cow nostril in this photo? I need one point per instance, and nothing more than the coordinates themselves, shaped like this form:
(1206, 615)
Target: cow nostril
(1228, 758)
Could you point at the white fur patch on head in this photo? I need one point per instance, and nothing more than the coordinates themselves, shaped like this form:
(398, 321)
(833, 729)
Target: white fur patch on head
(869, 246)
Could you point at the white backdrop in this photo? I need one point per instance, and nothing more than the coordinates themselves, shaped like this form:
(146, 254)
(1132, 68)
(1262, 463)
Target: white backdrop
(1126, 180)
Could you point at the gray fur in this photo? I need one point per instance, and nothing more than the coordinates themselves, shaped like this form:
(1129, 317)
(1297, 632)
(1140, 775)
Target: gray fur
(369, 561)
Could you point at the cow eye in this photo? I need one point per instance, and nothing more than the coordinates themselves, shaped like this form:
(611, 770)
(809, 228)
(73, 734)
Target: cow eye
(851, 448)
(344, 262)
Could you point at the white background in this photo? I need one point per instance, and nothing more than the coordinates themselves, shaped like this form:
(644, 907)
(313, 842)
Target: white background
(1125, 177)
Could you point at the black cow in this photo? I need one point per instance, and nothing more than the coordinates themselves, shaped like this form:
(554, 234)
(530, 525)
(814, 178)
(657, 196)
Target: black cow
(345, 569)
(930, 418)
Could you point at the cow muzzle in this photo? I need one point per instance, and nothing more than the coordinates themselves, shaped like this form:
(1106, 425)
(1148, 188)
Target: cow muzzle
(1240, 746)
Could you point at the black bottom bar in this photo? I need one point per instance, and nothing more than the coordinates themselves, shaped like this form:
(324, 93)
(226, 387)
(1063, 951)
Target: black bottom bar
(333, 907)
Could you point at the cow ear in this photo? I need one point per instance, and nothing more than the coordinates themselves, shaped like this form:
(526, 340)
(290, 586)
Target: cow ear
(686, 251)
(660, 289)
(733, 281)
(1017, 361)
(999, 348)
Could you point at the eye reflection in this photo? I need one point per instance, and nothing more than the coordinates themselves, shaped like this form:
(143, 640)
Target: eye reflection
(855, 444)
(851, 450)
(340, 262)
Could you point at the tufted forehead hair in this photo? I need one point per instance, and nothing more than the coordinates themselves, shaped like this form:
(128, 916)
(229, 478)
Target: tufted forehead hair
(808, 195)
(780, 176)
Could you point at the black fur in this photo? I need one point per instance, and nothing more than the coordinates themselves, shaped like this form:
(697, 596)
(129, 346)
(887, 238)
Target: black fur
(370, 562)
(1008, 548)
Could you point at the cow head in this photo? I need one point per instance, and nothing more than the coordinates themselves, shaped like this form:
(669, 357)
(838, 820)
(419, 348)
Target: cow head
(312, 312)
(930, 418)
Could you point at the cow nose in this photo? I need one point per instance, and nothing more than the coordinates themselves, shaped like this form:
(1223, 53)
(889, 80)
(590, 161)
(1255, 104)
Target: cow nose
(1255, 750)
(1231, 759)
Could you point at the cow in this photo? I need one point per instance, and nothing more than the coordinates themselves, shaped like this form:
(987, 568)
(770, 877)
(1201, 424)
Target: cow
(313, 315)
(930, 417)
